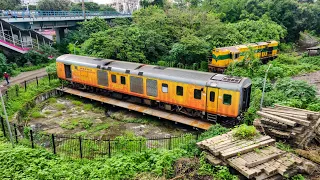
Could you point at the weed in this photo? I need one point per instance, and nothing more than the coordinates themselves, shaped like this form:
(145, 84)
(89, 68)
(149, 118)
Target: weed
(135, 120)
(37, 115)
(52, 100)
(99, 127)
(117, 115)
(257, 150)
(86, 123)
(88, 107)
(298, 177)
(284, 147)
(72, 123)
(77, 103)
(57, 114)
(47, 112)
(59, 106)
(244, 132)
(98, 110)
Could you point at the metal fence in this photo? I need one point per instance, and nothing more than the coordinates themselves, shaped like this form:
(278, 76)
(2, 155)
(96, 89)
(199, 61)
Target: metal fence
(80, 147)
(14, 90)
(41, 14)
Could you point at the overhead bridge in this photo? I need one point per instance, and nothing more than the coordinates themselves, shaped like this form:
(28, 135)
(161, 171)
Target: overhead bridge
(139, 108)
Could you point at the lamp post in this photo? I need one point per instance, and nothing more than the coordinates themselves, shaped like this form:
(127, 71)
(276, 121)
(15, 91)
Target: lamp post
(264, 86)
(74, 47)
(7, 121)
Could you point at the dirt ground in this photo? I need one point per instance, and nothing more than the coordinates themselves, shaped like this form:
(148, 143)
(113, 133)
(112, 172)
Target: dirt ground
(311, 78)
(69, 116)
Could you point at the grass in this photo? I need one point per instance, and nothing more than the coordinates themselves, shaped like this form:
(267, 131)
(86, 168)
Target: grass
(245, 132)
(77, 103)
(37, 115)
(18, 103)
(88, 107)
(57, 114)
(52, 100)
(47, 112)
(60, 106)
(284, 147)
(99, 127)
(117, 115)
(72, 123)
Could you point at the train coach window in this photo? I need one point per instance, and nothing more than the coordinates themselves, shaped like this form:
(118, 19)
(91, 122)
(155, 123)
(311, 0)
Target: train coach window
(123, 80)
(164, 88)
(227, 99)
(212, 96)
(114, 78)
(179, 90)
(197, 94)
(236, 56)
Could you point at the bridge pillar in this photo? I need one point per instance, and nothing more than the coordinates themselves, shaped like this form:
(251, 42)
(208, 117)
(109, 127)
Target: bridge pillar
(59, 34)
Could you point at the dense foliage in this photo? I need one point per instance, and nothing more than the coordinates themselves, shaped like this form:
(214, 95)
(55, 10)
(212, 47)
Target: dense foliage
(294, 15)
(178, 36)
(280, 88)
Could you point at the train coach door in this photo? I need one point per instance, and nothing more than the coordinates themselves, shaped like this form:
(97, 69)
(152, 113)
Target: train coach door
(212, 100)
(67, 70)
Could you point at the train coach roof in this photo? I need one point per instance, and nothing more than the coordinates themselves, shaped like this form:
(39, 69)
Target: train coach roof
(83, 60)
(151, 71)
(178, 75)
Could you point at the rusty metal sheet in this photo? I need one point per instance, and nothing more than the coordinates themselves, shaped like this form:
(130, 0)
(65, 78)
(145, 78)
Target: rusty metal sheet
(140, 108)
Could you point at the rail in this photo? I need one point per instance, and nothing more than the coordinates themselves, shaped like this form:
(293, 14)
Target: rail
(89, 148)
(41, 14)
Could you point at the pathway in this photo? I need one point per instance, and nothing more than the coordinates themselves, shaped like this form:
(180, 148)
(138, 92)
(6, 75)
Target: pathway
(24, 76)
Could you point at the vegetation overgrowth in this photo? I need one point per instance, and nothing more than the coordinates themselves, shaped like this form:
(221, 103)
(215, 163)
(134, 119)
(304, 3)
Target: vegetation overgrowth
(280, 87)
(18, 97)
(244, 132)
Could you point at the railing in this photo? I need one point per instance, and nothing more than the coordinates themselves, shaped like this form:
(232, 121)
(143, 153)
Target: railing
(17, 42)
(81, 147)
(41, 14)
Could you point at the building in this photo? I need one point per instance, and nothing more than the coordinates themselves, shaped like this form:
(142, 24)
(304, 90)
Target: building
(34, 2)
(125, 6)
(30, 2)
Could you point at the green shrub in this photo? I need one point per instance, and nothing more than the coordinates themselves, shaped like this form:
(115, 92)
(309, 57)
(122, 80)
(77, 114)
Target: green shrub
(214, 130)
(245, 132)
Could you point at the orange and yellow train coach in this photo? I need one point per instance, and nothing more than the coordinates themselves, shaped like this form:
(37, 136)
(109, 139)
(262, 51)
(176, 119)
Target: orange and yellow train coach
(194, 93)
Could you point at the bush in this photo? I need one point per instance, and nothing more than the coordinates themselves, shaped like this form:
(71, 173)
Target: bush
(214, 130)
(244, 132)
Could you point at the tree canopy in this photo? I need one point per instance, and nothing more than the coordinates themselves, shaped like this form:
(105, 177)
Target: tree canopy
(54, 5)
(9, 4)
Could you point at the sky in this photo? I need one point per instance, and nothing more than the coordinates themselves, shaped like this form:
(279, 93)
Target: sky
(101, 1)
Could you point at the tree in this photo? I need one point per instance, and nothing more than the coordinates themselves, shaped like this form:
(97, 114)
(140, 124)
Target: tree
(54, 5)
(90, 6)
(9, 4)
(92, 26)
(190, 49)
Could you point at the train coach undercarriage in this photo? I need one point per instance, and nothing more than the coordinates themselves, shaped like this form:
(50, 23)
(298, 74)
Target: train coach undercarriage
(158, 105)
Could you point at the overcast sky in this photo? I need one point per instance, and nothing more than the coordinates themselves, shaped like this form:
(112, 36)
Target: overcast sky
(101, 1)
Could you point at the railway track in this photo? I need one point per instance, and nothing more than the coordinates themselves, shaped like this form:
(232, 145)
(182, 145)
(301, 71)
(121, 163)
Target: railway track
(139, 108)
